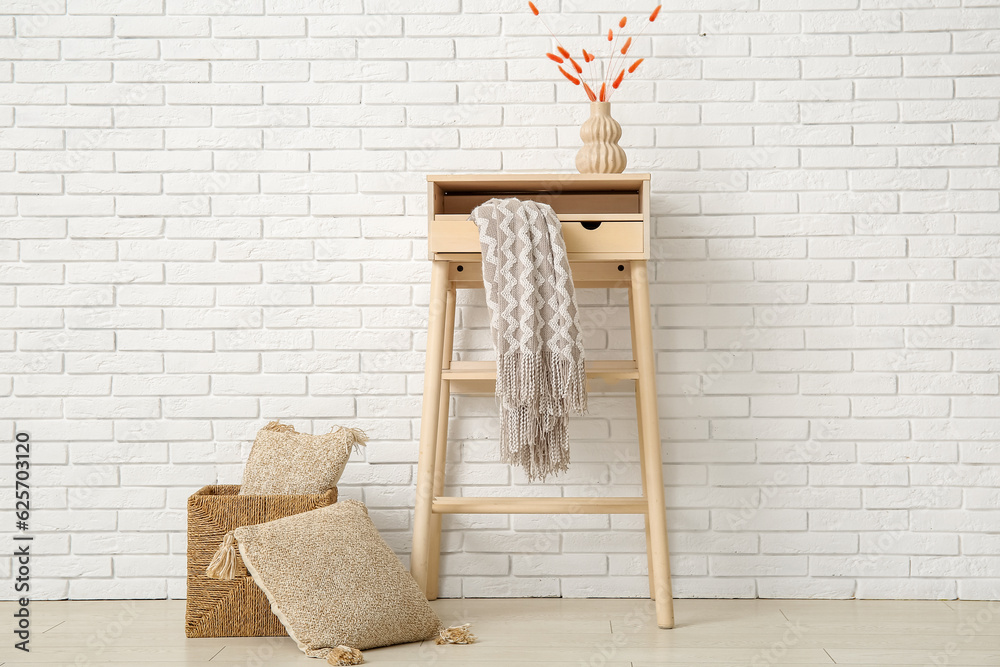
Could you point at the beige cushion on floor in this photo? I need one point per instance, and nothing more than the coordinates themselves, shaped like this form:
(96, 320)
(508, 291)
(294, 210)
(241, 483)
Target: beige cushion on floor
(286, 462)
(333, 580)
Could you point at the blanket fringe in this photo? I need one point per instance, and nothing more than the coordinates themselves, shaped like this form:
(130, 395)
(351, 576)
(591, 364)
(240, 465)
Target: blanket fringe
(535, 393)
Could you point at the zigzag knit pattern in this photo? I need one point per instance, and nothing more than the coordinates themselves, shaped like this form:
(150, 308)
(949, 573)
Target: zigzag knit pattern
(536, 331)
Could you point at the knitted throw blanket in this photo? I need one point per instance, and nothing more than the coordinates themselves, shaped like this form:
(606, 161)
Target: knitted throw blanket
(536, 332)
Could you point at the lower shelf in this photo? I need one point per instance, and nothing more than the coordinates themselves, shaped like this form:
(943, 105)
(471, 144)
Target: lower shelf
(460, 505)
(479, 377)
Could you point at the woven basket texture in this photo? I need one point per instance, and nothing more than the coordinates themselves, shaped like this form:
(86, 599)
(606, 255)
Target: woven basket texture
(236, 608)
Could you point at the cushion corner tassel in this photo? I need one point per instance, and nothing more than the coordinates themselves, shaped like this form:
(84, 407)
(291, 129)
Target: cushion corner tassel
(344, 655)
(223, 565)
(354, 438)
(458, 634)
(278, 427)
(535, 324)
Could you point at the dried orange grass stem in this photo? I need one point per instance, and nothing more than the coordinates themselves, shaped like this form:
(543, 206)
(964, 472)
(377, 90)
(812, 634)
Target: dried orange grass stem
(614, 47)
(604, 94)
(576, 81)
(611, 68)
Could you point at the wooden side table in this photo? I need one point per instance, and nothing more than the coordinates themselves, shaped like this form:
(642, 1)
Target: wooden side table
(606, 227)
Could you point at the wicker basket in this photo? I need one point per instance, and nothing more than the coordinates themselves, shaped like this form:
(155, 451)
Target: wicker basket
(235, 608)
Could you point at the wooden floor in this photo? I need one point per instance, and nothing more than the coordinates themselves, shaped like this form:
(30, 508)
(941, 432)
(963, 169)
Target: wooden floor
(552, 632)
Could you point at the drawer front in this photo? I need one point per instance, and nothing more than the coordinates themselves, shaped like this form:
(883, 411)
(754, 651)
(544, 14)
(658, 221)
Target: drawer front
(616, 239)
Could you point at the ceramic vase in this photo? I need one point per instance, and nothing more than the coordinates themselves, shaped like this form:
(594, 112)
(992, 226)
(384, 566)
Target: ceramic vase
(601, 153)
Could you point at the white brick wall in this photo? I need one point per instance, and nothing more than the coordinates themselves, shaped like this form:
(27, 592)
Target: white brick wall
(213, 216)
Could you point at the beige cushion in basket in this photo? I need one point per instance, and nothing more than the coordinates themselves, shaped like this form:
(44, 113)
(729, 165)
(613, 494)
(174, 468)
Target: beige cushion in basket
(286, 462)
(331, 580)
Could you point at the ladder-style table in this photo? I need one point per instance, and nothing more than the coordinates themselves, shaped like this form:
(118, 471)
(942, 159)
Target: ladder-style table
(605, 223)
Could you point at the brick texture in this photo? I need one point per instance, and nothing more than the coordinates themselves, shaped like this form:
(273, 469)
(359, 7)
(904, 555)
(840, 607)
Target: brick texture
(212, 215)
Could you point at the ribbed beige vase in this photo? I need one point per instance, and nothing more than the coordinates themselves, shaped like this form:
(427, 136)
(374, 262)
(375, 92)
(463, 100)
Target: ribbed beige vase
(601, 153)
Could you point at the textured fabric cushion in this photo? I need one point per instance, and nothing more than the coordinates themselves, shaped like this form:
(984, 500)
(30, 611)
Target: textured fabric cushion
(333, 580)
(286, 462)
(235, 607)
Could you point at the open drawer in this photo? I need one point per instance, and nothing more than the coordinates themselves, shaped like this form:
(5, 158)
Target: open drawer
(604, 216)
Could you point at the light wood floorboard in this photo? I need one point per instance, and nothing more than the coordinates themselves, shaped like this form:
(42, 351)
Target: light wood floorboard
(554, 633)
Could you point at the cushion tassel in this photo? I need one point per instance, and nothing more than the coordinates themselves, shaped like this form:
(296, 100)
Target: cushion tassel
(458, 634)
(344, 655)
(279, 427)
(354, 437)
(223, 565)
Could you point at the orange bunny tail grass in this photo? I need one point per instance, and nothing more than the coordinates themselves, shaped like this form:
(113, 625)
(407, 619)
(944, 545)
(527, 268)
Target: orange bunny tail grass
(573, 69)
(576, 81)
